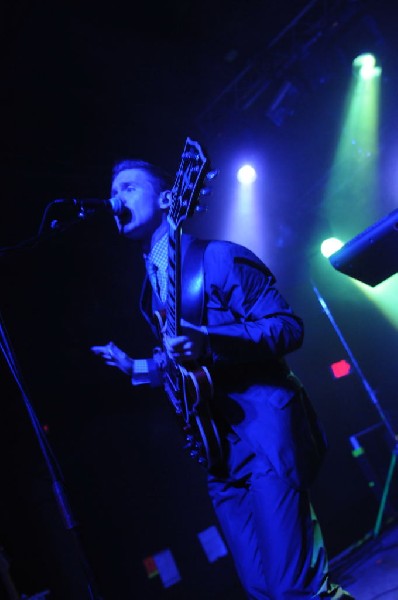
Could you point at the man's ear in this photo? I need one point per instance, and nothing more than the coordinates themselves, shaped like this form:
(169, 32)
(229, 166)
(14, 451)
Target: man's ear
(165, 199)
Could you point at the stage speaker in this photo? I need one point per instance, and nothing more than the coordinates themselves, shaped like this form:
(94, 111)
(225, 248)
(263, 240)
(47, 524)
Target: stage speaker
(371, 256)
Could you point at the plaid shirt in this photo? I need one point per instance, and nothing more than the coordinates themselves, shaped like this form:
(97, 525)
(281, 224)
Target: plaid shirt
(156, 265)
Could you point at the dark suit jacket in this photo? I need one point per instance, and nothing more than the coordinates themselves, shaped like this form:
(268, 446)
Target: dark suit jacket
(251, 329)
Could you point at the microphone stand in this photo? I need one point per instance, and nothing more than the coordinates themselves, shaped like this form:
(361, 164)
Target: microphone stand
(81, 210)
(375, 402)
(51, 464)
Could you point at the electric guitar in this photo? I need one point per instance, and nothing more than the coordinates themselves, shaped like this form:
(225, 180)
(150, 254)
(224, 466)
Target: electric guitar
(188, 387)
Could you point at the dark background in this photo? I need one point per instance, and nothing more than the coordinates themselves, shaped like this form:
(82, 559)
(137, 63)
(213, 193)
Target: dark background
(82, 86)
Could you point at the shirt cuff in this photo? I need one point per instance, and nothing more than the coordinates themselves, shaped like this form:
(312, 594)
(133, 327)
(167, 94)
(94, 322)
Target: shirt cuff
(140, 374)
(146, 371)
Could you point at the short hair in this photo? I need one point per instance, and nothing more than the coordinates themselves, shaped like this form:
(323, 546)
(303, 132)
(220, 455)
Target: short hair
(161, 178)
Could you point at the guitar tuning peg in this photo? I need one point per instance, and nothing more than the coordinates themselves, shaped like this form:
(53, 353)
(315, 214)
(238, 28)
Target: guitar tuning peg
(211, 174)
(201, 209)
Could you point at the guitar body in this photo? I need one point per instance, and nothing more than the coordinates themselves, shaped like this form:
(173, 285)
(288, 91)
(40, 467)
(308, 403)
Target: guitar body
(189, 387)
(190, 391)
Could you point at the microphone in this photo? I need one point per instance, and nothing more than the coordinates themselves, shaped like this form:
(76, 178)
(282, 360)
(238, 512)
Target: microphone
(85, 208)
(90, 205)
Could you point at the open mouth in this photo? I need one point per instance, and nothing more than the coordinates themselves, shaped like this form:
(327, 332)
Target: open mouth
(125, 217)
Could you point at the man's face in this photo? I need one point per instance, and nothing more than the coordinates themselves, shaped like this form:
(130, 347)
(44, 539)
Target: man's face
(141, 214)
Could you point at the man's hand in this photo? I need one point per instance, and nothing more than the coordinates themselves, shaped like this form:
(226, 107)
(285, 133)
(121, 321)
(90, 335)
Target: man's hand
(115, 357)
(188, 346)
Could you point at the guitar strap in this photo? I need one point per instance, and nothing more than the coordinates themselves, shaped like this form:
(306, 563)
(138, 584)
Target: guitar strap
(193, 288)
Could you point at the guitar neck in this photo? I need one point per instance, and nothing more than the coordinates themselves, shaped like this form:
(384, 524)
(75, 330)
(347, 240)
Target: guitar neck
(185, 194)
(173, 302)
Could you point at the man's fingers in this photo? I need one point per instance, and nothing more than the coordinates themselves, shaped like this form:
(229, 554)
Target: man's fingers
(98, 349)
(108, 352)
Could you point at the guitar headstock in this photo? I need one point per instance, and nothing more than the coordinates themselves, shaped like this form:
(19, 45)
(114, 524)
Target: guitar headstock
(192, 173)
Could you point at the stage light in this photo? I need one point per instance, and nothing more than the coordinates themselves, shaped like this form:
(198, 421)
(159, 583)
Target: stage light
(244, 222)
(330, 246)
(284, 103)
(365, 65)
(246, 175)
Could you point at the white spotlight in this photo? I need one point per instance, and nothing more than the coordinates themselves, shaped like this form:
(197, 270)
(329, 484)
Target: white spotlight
(330, 246)
(246, 175)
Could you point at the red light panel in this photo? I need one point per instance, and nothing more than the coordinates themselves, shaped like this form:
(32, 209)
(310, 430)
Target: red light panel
(342, 368)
